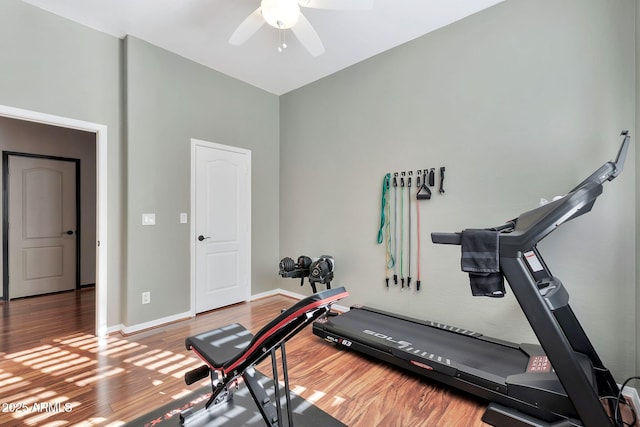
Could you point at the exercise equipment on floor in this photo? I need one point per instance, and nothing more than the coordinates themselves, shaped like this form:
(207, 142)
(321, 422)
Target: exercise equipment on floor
(319, 270)
(232, 352)
(566, 384)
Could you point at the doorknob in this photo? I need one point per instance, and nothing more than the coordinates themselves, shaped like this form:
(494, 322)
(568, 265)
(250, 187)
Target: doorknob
(201, 237)
(69, 232)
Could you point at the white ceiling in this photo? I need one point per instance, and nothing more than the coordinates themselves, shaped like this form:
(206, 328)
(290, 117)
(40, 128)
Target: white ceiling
(200, 29)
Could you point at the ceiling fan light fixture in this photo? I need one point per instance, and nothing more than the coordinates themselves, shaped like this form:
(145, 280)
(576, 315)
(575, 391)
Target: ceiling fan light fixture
(282, 14)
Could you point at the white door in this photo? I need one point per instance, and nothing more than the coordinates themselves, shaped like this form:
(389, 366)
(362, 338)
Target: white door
(222, 224)
(42, 226)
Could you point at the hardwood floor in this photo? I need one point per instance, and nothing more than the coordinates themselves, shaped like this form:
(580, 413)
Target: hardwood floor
(49, 354)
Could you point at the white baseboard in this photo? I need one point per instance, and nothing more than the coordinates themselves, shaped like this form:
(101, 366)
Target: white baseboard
(126, 330)
(294, 295)
(275, 292)
(114, 329)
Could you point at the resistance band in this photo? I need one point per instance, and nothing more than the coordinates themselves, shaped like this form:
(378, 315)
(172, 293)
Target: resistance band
(424, 177)
(409, 230)
(385, 188)
(385, 226)
(402, 229)
(395, 227)
(391, 261)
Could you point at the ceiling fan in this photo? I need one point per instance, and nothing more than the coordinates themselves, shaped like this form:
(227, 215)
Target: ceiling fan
(286, 14)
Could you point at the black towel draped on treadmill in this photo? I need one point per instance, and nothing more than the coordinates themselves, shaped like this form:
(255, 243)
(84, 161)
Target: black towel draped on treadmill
(481, 259)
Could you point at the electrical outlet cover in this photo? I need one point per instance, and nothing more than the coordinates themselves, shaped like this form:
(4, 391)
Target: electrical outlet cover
(148, 219)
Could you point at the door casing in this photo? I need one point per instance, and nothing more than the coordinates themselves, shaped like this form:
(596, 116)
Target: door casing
(101, 139)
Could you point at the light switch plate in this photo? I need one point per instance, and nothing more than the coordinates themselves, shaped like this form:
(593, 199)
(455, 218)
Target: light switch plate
(148, 219)
(183, 218)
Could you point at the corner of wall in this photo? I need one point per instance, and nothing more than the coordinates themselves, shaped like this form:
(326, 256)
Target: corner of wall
(637, 122)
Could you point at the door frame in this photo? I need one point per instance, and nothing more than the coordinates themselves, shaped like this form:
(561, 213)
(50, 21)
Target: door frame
(5, 214)
(100, 132)
(192, 239)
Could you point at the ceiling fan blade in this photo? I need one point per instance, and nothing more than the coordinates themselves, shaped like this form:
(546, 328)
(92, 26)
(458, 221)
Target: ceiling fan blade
(305, 33)
(247, 28)
(337, 4)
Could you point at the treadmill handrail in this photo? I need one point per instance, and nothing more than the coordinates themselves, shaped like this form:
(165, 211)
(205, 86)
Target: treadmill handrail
(534, 225)
(456, 238)
(609, 170)
(446, 238)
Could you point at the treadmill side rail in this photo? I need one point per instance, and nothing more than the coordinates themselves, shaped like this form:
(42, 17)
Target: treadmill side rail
(425, 360)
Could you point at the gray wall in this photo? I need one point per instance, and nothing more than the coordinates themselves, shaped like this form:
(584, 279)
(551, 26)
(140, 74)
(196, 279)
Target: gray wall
(519, 102)
(53, 66)
(27, 137)
(169, 101)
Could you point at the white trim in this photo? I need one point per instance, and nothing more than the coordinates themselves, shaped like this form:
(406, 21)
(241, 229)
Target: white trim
(152, 324)
(275, 292)
(295, 295)
(192, 232)
(187, 314)
(114, 329)
(101, 190)
(192, 246)
(340, 308)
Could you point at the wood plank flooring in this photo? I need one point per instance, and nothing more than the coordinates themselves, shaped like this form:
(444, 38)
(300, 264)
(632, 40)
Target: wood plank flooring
(49, 354)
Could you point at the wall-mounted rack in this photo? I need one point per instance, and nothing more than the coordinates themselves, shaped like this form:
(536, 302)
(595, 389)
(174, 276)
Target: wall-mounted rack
(399, 249)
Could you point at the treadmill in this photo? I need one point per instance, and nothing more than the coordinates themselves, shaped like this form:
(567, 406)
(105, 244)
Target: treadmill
(558, 383)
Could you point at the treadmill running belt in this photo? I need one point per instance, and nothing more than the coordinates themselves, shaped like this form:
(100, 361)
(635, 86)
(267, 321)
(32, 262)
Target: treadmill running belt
(494, 358)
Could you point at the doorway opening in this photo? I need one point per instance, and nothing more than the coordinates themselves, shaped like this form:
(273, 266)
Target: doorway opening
(100, 133)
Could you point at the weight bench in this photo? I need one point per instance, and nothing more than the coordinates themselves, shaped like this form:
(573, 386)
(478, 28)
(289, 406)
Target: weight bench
(232, 351)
